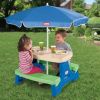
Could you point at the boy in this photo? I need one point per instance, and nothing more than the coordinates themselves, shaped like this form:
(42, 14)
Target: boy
(60, 36)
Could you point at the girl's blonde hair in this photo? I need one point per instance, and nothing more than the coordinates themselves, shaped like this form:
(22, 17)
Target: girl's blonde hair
(24, 40)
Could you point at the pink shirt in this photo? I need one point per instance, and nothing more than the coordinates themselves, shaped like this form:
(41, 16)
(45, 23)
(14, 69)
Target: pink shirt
(25, 62)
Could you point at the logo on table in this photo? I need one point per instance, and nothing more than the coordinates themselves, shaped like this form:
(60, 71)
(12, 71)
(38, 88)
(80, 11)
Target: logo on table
(66, 72)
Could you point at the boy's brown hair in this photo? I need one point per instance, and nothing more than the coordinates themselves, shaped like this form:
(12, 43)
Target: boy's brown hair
(24, 40)
(62, 32)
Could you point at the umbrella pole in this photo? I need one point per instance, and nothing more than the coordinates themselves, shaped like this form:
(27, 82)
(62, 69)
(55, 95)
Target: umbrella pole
(47, 49)
(47, 38)
(47, 68)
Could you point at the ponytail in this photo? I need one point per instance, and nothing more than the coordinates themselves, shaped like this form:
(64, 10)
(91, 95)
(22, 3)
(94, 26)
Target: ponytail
(22, 41)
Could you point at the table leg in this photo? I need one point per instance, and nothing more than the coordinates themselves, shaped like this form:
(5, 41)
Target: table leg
(18, 79)
(64, 77)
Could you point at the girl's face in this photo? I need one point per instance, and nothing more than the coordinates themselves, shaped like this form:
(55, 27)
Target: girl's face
(28, 46)
(59, 38)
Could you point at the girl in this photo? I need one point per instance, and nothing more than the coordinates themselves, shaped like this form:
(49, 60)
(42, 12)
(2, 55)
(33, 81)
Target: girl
(26, 56)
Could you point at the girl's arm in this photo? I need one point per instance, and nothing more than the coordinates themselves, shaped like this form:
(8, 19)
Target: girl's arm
(31, 54)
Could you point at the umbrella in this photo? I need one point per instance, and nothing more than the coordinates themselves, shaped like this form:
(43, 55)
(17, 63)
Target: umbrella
(47, 16)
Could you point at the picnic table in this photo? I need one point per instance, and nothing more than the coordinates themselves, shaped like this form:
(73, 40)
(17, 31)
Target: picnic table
(57, 82)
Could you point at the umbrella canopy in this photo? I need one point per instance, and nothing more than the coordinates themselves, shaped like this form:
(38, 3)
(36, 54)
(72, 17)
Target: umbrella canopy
(47, 16)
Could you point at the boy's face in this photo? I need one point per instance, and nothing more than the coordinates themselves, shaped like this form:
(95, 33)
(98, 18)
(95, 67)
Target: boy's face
(59, 38)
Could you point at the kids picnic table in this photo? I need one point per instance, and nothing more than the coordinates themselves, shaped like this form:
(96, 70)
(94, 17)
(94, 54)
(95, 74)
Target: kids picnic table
(57, 83)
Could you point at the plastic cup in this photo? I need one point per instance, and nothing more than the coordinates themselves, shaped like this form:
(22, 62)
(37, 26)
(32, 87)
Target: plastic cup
(41, 45)
(53, 48)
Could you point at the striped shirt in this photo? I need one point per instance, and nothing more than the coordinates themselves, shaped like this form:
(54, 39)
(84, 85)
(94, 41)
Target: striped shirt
(25, 62)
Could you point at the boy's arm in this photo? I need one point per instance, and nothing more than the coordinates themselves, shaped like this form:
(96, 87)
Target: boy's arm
(68, 47)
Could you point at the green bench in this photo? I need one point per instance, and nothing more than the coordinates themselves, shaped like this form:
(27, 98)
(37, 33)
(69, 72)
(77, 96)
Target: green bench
(74, 67)
(39, 77)
(44, 78)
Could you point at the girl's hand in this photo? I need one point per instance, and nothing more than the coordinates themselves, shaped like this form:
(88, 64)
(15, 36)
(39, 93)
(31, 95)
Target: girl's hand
(34, 56)
(31, 52)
